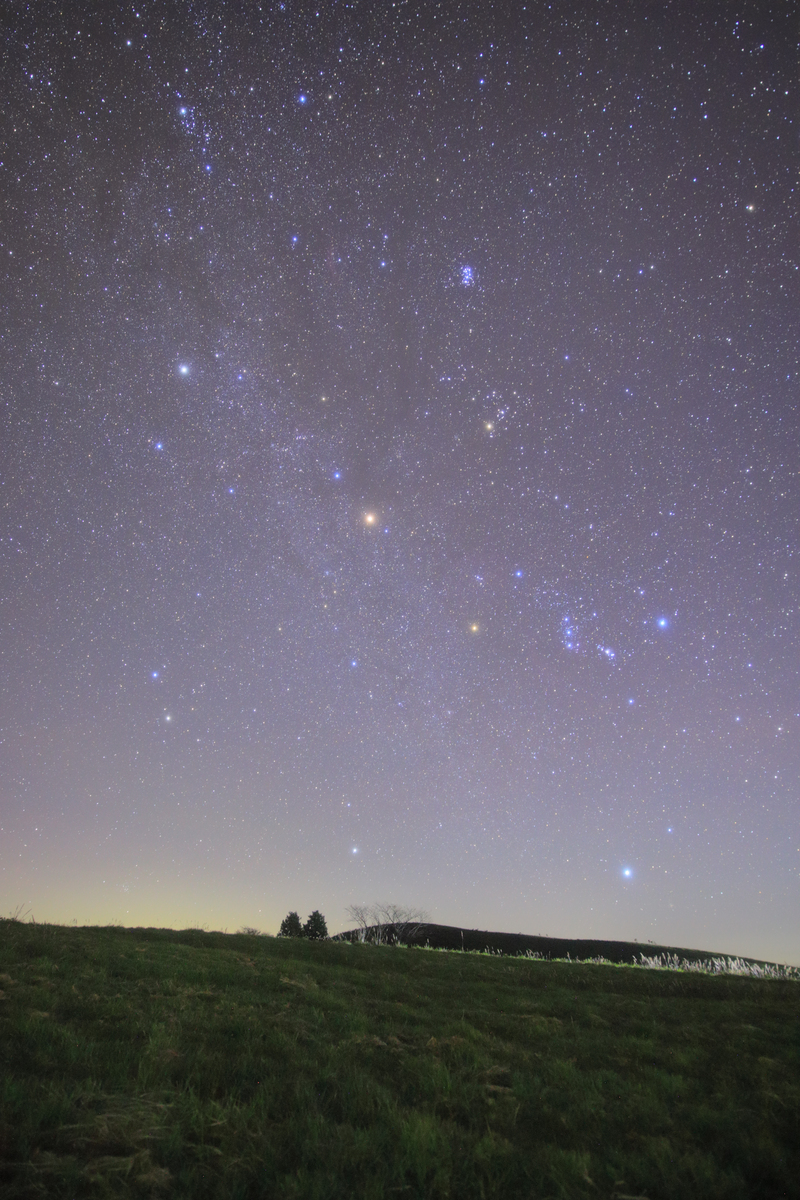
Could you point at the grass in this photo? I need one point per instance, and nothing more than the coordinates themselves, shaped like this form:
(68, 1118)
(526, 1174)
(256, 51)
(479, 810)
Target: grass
(157, 1063)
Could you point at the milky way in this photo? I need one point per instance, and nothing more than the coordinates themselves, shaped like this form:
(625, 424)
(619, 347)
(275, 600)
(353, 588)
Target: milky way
(399, 445)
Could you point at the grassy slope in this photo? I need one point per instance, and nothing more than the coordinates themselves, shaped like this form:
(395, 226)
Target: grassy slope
(151, 1062)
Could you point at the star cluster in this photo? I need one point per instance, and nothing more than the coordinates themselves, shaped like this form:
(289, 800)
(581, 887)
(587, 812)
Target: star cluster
(399, 466)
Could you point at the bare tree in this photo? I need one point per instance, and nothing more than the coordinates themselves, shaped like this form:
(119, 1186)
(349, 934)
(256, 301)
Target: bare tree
(385, 923)
(399, 921)
(360, 915)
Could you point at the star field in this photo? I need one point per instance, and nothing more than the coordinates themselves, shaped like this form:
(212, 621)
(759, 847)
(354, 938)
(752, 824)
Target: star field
(399, 467)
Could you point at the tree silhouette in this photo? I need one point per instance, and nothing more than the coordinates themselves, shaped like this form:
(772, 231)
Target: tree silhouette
(290, 926)
(388, 923)
(315, 926)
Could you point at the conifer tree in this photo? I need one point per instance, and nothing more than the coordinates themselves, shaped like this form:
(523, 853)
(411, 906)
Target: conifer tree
(315, 926)
(290, 926)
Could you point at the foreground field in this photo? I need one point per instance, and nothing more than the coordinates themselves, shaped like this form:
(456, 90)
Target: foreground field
(138, 1063)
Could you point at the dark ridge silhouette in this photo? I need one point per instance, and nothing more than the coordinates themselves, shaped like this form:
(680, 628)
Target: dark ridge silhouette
(450, 937)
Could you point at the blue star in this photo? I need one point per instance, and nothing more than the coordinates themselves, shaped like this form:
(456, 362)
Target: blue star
(662, 622)
(302, 99)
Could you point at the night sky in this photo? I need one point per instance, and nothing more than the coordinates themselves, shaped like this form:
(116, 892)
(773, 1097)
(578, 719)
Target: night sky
(399, 452)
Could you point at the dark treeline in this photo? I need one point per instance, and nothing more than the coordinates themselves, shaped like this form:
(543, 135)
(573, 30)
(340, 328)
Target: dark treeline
(450, 937)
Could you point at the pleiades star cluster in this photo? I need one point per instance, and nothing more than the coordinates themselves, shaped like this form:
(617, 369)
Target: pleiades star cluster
(399, 454)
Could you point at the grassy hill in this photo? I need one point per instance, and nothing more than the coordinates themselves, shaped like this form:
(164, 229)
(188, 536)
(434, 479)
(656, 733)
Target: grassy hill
(158, 1063)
